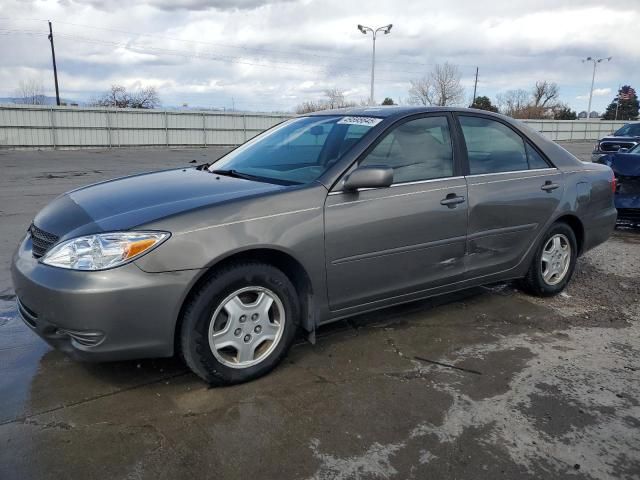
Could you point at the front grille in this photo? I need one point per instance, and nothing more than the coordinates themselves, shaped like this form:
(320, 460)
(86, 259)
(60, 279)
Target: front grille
(614, 146)
(41, 240)
(631, 215)
(628, 185)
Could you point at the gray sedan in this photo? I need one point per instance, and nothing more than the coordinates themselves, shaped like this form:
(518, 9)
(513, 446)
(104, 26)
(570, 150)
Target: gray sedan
(319, 218)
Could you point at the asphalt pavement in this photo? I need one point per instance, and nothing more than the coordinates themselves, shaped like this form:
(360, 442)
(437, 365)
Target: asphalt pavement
(487, 383)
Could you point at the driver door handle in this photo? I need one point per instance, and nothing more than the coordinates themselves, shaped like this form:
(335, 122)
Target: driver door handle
(451, 200)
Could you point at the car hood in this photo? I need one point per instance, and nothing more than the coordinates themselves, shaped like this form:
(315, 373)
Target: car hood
(125, 203)
(613, 138)
(626, 164)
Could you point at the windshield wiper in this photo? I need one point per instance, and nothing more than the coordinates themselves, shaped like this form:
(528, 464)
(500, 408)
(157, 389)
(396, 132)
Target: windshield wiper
(235, 173)
(257, 178)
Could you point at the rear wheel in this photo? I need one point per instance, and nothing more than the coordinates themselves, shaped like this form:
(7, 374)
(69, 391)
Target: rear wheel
(240, 323)
(553, 263)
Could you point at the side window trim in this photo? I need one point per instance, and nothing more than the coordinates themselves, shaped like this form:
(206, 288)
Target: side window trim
(462, 146)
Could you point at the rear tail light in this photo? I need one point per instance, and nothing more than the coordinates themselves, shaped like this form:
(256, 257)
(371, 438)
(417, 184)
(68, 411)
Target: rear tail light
(614, 183)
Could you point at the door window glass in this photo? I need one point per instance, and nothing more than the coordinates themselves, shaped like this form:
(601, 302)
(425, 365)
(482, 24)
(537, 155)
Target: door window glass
(492, 147)
(416, 150)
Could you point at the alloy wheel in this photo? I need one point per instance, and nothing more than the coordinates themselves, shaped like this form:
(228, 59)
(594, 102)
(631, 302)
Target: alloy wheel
(556, 259)
(246, 327)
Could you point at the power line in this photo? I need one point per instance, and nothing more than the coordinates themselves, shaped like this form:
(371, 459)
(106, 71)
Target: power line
(217, 57)
(242, 47)
(151, 49)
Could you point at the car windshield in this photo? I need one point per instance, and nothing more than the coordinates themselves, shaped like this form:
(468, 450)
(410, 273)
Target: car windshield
(297, 151)
(629, 130)
(635, 149)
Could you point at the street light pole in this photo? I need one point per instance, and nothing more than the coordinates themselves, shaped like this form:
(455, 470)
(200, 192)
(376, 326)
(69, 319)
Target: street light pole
(373, 70)
(595, 61)
(386, 30)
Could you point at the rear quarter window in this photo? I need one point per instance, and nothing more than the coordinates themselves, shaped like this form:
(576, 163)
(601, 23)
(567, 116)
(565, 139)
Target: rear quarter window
(536, 161)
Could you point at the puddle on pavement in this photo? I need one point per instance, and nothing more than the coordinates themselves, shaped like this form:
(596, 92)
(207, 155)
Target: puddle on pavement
(36, 378)
(20, 354)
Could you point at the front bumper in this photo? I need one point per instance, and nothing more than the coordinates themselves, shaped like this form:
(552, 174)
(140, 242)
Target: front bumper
(116, 314)
(628, 206)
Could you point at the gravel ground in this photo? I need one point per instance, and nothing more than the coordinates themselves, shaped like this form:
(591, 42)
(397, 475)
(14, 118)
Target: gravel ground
(487, 383)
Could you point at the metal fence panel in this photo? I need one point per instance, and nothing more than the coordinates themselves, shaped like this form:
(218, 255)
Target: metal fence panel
(574, 130)
(32, 126)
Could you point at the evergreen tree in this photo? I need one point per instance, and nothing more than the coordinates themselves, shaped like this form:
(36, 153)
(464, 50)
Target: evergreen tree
(564, 113)
(626, 103)
(484, 103)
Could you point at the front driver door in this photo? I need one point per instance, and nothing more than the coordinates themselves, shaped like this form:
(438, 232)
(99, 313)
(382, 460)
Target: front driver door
(393, 242)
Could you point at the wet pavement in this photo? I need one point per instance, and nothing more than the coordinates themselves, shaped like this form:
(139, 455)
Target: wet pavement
(487, 383)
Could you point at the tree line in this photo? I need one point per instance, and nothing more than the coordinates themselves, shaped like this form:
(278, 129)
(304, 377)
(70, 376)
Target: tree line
(442, 87)
(31, 92)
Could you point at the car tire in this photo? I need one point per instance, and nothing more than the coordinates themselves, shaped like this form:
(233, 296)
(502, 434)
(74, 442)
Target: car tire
(548, 274)
(240, 323)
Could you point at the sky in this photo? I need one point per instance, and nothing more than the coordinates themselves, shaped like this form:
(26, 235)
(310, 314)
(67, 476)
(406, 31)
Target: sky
(271, 55)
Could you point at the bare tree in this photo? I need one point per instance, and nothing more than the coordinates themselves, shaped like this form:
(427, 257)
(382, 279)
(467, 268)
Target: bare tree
(308, 107)
(446, 85)
(541, 102)
(514, 103)
(441, 87)
(30, 92)
(544, 100)
(146, 97)
(421, 92)
(118, 96)
(545, 94)
(334, 99)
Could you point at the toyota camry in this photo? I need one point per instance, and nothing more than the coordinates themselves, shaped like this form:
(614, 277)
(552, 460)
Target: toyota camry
(319, 218)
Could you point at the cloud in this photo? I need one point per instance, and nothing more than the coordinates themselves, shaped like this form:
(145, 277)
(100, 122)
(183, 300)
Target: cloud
(273, 54)
(172, 5)
(597, 92)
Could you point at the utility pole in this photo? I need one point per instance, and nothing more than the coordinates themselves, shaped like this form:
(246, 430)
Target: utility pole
(55, 69)
(386, 29)
(595, 61)
(475, 86)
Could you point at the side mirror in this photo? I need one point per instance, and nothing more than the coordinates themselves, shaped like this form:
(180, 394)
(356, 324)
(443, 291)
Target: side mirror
(369, 177)
(623, 150)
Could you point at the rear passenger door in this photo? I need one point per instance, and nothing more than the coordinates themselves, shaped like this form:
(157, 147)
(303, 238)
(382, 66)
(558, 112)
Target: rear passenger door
(513, 191)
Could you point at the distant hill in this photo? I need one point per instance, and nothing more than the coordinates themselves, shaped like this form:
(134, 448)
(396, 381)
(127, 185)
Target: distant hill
(45, 100)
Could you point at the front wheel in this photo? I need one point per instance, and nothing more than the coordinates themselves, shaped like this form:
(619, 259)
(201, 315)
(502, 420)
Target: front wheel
(240, 323)
(553, 263)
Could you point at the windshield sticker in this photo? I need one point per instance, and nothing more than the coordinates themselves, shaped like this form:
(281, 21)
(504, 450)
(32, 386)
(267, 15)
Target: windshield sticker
(366, 121)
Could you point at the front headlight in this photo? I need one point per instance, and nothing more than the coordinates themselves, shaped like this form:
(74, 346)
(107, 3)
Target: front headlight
(102, 251)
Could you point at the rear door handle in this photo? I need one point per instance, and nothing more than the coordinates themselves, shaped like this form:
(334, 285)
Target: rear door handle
(549, 186)
(452, 200)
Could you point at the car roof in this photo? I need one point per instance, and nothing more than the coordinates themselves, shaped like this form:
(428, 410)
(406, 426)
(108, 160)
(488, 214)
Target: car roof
(385, 111)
